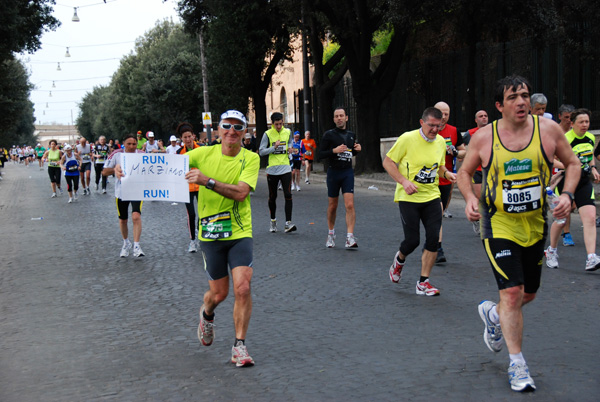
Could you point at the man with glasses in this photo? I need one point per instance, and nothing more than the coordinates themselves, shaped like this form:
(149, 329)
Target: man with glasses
(416, 162)
(226, 173)
(275, 143)
(141, 141)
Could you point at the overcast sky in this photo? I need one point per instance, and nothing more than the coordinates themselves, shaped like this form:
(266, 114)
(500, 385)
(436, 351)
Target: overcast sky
(104, 35)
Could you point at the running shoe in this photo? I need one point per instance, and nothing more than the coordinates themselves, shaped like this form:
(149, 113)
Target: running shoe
(240, 356)
(441, 257)
(425, 288)
(551, 258)
(447, 214)
(492, 333)
(125, 250)
(273, 227)
(289, 227)
(297, 187)
(519, 378)
(306, 181)
(103, 191)
(279, 187)
(60, 191)
(137, 252)
(396, 269)
(206, 329)
(293, 186)
(592, 263)
(70, 200)
(192, 247)
(567, 240)
(53, 195)
(75, 195)
(351, 242)
(476, 227)
(96, 186)
(330, 243)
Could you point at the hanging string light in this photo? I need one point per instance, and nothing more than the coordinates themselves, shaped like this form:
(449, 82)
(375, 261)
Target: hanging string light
(50, 94)
(75, 16)
(53, 84)
(67, 54)
(58, 68)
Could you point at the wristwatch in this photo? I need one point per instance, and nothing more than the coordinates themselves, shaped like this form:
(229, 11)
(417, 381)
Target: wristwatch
(210, 184)
(570, 194)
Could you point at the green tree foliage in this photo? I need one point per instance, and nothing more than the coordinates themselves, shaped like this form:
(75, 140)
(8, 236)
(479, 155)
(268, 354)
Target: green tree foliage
(22, 23)
(355, 26)
(245, 42)
(16, 110)
(155, 88)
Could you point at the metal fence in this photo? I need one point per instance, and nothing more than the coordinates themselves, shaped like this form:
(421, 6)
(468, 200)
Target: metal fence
(551, 70)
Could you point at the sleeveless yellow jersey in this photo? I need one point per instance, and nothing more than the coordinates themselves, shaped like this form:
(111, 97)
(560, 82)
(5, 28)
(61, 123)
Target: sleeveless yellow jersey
(512, 203)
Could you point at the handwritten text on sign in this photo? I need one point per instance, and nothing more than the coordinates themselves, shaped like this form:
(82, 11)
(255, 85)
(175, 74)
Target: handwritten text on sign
(150, 177)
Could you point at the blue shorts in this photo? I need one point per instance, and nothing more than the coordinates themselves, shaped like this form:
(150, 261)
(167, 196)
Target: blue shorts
(339, 179)
(220, 254)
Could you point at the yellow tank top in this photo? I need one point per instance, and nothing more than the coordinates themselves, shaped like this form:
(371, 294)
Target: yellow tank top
(512, 203)
(280, 156)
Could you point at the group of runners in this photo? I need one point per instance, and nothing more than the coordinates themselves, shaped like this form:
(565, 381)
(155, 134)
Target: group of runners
(505, 171)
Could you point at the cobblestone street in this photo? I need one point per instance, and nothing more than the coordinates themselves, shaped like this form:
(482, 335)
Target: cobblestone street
(78, 323)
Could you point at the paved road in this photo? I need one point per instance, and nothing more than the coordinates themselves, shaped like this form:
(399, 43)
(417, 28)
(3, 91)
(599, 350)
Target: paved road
(78, 323)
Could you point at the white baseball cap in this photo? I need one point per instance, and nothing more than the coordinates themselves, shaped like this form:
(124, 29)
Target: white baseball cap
(234, 114)
(173, 138)
(150, 134)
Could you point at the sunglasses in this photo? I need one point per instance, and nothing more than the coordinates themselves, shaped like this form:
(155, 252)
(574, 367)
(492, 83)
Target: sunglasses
(228, 126)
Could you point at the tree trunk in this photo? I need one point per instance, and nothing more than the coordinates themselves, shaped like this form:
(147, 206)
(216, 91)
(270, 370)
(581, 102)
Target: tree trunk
(369, 159)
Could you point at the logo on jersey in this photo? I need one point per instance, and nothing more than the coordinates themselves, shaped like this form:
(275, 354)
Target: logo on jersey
(515, 166)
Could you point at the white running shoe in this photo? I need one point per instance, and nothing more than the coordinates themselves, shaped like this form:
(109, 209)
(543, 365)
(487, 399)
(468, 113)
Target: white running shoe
(297, 187)
(330, 241)
(289, 227)
(592, 263)
(351, 242)
(306, 181)
(60, 191)
(206, 329)
(70, 200)
(53, 195)
(273, 227)
(551, 258)
(137, 252)
(396, 269)
(103, 191)
(125, 250)
(492, 333)
(192, 247)
(426, 289)
(519, 378)
(240, 356)
(293, 186)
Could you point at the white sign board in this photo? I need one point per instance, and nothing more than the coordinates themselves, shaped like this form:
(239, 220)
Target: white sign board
(206, 118)
(154, 177)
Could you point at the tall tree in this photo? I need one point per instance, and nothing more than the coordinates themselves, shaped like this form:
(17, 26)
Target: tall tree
(22, 23)
(15, 108)
(353, 25)
(246, 40)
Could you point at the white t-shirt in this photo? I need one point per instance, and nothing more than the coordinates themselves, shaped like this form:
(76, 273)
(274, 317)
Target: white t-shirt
(173, 149)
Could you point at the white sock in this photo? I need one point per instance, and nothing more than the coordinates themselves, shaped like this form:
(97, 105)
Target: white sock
(125, 242)
(136, 244)
(349, 235)
(551, 248)
(591, 255)
(517, 358)
(332, 231)
(493, 314)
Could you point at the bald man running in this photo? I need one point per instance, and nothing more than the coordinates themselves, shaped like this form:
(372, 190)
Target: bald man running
(455, 149)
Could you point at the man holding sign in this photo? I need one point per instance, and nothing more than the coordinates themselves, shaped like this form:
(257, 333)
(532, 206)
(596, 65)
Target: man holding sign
(226, 173)
(111, 166)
